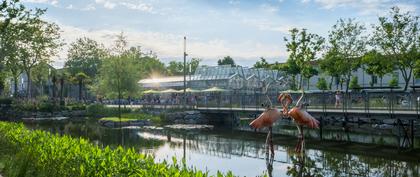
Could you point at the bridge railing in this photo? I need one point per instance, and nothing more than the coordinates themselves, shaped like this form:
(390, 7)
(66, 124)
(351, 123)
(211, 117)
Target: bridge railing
(362, 100)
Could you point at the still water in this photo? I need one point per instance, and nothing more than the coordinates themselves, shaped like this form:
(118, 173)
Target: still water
(243, 153)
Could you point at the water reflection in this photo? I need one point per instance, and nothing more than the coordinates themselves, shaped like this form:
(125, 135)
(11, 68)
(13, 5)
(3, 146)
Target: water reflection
(242, 153)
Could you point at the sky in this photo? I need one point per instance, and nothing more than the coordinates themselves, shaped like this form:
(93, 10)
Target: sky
(243, 29)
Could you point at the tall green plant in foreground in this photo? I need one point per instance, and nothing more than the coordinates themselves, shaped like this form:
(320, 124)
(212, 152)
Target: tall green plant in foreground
(39, 153)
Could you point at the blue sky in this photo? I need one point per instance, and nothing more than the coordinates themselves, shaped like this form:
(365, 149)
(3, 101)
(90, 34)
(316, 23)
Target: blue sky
(243, 29)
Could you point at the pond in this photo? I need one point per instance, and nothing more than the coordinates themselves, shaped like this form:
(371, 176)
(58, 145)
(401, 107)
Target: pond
(243, 153)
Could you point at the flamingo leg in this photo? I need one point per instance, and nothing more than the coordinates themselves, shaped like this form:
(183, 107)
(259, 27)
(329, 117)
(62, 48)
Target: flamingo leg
(271, 140)
(301, 142)
(269, 147)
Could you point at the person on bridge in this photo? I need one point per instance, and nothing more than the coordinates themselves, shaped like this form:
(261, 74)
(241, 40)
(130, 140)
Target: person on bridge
(299, 116)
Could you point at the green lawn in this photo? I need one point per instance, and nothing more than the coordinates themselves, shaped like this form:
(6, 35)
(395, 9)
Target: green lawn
(132, 117)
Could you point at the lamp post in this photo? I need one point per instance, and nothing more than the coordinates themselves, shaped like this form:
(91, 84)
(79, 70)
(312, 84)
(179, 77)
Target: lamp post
(185, 71)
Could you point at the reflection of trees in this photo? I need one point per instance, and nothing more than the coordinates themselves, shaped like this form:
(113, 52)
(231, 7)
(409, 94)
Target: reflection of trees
(302, 165)
(339, 164)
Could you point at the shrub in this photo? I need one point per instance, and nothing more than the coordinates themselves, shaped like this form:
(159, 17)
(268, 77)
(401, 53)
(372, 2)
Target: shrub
(39, 153)
(394, 81)
(322, 84)
(354, 83)
(7, 101)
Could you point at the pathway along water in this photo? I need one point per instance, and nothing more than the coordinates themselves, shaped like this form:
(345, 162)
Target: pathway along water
(244, 154)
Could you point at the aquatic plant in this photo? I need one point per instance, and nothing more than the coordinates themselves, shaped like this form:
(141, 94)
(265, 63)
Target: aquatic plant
(27, 152)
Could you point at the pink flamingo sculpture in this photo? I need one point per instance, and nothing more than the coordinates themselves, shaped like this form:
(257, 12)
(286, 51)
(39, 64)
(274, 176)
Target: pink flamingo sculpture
(300, 117)
(267, 119)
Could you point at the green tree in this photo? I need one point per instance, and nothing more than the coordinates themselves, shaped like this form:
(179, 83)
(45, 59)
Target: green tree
(85, 55)
(303, 48)
(397, 36)
(394, 81)
(194, 63)
(262, 63)
(377, 64)
(40, 74)
(322, 84)
(330, 59)
(11, 54)
(354, 83)
(81, 78)
(175, 68)
(347, 46)
(147, 64)
(11, 11)
(40, 41)
(118, 75)
(290, 68)
(226, 61)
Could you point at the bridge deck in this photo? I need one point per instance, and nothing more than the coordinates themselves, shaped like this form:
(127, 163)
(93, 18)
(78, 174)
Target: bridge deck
(254, 109)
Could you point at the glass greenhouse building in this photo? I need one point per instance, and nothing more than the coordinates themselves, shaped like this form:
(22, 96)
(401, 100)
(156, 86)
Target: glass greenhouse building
(235, 78)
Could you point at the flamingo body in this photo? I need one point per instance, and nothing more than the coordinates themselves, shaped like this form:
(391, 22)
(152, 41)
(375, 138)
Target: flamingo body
(266, 119)
(302, 117)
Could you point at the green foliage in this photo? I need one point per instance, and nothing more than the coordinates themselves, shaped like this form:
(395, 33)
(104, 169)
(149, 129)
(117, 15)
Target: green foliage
(226, 61)
(394, 81)
(322, 84)
(262, 64)
(303, 48)
(41, 104)
(85, 56)
(176, 68)
(397, 36)
(347, 46)
(377, 64)
(417, 67)
(354, 83)
(40, 153)
(7, 101)
(76, 106)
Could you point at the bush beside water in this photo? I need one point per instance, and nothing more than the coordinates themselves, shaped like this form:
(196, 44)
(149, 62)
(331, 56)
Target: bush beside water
(39, 153)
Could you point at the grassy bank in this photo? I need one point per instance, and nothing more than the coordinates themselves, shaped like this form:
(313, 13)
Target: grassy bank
(38, 153)
(133, 117)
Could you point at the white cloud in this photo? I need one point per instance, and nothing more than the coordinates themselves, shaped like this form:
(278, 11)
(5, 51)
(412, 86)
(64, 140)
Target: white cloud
(88, 7)
(130, 4)
(269, 8)
(268, 25)
(170, 46)
(140, 6)
(50, 2)
(234, 2)
(365, 7)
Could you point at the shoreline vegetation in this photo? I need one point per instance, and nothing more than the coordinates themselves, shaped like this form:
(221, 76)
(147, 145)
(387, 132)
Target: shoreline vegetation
(27, 152)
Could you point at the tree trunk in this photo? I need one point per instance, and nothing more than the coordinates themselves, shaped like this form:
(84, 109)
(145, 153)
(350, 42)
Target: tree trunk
(338, 82)
(381, 80)
(300, 82)
(61, 91)
(80, 89)
(53, 80)
(347, 84)
(332, 80)
(15, 89)
(308, 84)
(406, 76)
(293, 82)
(29, 84)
